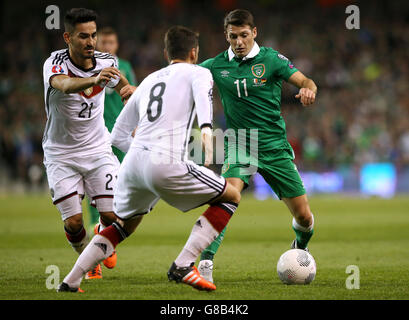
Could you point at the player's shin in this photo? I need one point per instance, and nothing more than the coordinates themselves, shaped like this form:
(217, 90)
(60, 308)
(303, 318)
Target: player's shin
(303, 234)
(101, 247)
(206, 229)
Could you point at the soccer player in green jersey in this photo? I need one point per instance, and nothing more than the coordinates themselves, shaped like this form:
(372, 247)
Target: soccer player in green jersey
(107, 41)
(249, 80)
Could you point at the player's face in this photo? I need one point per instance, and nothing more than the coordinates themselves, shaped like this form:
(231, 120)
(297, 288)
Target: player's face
(108, 43)
(241, 39)
(83, 39)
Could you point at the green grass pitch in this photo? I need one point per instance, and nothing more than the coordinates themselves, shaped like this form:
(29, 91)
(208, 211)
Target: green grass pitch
(369, 233)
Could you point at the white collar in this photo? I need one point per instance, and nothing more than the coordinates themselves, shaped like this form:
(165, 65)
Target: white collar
(253, 52)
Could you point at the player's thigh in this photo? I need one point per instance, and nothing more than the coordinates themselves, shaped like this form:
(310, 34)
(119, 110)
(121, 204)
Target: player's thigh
(133, 196)
(66, 187)
(186, 185)
(100, 181)
(280, 172)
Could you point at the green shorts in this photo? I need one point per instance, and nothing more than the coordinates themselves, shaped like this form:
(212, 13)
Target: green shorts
(275, 166)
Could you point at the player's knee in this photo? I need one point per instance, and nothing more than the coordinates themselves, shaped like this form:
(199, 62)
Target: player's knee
(107, 218)
(131, 224)
(234, 195)
(74, 224)
(237, 197)
(303, 216)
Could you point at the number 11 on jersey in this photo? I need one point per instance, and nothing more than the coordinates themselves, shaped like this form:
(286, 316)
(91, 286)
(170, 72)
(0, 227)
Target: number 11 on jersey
(237, 83)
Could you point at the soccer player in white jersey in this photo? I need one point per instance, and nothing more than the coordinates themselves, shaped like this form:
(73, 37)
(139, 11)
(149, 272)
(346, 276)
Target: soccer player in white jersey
(156, 167)
(77, 149)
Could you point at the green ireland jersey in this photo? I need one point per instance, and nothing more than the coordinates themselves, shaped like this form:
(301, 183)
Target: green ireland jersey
(113, 104)
(250, 90)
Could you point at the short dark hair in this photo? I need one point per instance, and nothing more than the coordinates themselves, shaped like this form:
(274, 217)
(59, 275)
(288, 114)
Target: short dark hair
(179, 41)
(239, 17)
(78, 15)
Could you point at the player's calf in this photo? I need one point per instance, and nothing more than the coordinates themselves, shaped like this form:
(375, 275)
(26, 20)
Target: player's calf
(303, 220)
(75, 232)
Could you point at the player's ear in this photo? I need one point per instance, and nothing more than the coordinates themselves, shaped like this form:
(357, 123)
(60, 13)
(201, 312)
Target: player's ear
(194, 55)
(66, 36)
(165, 54)
(227, 36)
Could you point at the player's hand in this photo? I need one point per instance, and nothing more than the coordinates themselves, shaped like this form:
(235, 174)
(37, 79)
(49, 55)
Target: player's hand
(106, 75)
(126, 92)
(306, 96)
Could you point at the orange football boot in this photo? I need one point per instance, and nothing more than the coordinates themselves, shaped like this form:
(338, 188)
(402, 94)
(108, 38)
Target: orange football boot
(191, 276)
(95, 273)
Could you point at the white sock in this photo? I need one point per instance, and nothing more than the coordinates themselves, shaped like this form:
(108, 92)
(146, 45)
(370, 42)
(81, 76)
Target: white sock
(299, 227)
(202, 235)
(97, 250)
(80, 246)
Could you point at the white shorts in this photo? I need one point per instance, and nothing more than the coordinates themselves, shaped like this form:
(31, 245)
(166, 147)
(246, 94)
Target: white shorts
(183, 185)
(69, 179)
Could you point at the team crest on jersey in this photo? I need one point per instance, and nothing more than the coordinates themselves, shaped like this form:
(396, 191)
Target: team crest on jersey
(57, 69)
(88, 91)
(258, 70)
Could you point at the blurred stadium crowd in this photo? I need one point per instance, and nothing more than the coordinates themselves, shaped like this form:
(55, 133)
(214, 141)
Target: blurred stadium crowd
(361, 114)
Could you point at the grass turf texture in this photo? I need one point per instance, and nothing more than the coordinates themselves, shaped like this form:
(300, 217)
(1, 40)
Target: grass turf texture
(371, 233)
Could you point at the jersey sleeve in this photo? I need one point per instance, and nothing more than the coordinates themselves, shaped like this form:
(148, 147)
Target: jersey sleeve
(125, 124)
(284, 68)
(202, 87)
(53, 66)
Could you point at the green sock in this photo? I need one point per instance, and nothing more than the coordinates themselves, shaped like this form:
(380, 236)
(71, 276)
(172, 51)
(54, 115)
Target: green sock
(303, 237)
(210, 251)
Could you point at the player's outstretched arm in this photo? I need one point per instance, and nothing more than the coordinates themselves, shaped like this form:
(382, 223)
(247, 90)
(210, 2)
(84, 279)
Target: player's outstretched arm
(308, 88)
(121, 86)
(68, 84)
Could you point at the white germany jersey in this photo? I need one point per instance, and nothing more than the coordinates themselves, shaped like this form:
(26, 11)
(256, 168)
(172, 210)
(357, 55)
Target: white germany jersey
(163, 109)
(75, 126)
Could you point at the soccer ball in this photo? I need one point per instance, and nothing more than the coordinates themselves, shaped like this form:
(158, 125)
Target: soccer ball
(296, 266)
